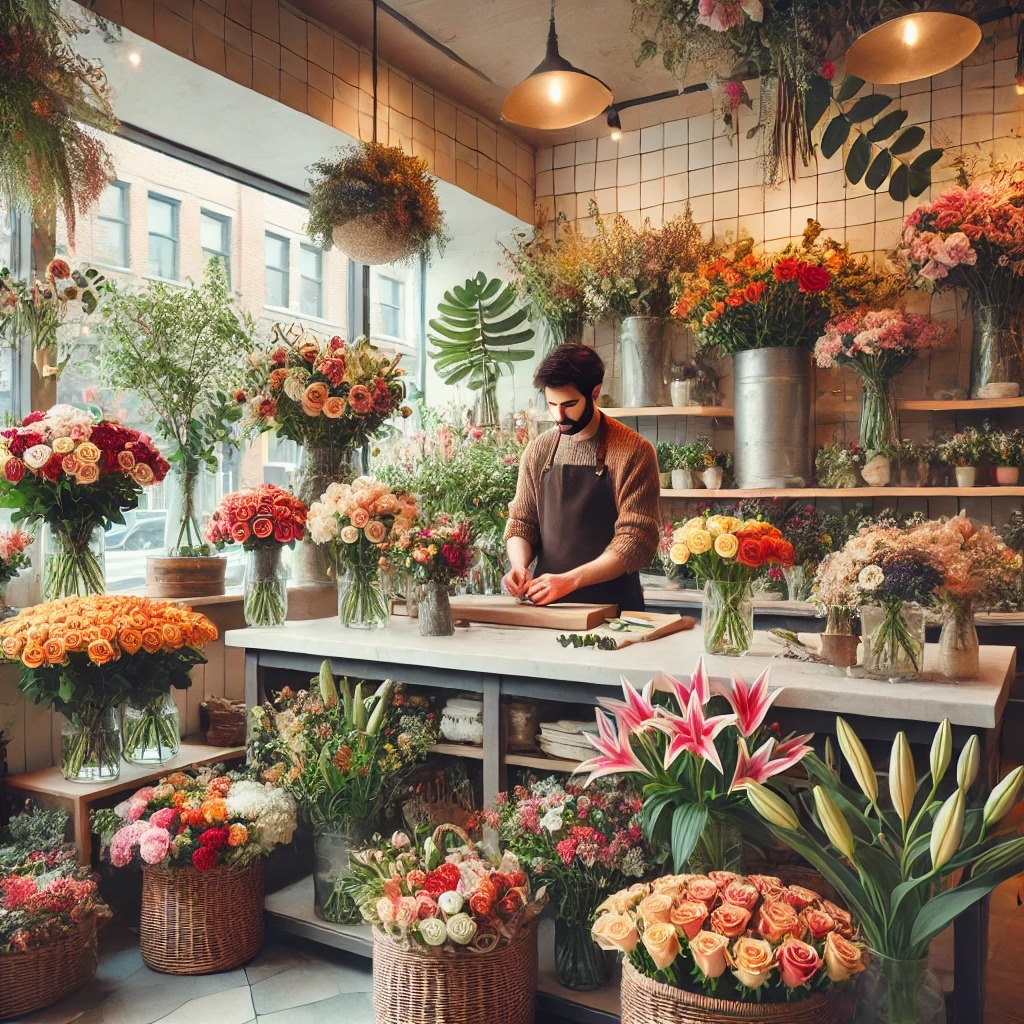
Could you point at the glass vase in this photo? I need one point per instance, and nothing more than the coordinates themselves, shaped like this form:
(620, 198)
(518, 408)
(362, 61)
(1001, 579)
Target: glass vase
(996, 368)
(6, 611)
(580, 964)
(265, 588)
(319, 466)
(73, 563)
(90, 744)
(719, 848)
(899, 992)
(491, 557)
(727, 617)
(798, 583)
(879, 420)
(150, 731)
(958, 642)
(186, 485)
(893, 636)
(435, 614)
(364, 598)
(333, 845)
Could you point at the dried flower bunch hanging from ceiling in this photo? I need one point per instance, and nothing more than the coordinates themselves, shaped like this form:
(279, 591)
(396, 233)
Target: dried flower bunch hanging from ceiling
(51, 99)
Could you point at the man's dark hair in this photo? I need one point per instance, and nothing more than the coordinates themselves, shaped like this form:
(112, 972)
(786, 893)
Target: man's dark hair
(578, 366)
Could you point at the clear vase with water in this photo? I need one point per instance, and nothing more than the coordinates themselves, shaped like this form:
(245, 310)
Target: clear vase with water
(727, 617)
(364, 598)
(265, 587)
(893, 635)
(895, 991)
(958, 642)
(333, 846)
(90, 744)
(73, 560)
(150, 731)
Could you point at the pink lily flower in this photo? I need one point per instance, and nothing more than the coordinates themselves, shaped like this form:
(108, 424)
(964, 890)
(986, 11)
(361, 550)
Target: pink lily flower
(751, 703)
(693, 733)
(760, 766)
(617, 756)
(636, 712)
(699, 683)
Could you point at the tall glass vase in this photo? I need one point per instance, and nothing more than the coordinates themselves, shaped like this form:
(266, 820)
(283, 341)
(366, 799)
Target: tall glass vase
(150, 731)
(364, 598)
(435, 610)
(958, 642)
(899, 992)
(319, 466)
(879, 420)
(184, 536)
(727, 617)
(996, 352)
(580, 963)
(265, 587)
(893, 636)
(6, 611)
(90, 744)
(798, 583)
(333, 845)
(73, 564)
(719, 848)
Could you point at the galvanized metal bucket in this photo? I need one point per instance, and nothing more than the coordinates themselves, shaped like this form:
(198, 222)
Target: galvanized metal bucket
(645, 347)
(772, 417)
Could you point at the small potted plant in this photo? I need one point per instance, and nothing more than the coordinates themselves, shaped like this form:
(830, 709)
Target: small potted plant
(376, 204)
(666, 458)
(1006, 450)
(263, 520)
(913, 460)
(877, 468)
(182, 350)
(965, 451)
(690, 463)
(838, 465)
(716, 464)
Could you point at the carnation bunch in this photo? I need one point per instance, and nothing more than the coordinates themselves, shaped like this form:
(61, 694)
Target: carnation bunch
(263, 516)
(324, 394)
(200, 820)
(877, 343)
(440, 552)
(13, 544)
(38, 909)
(736, 937)
(453, 900)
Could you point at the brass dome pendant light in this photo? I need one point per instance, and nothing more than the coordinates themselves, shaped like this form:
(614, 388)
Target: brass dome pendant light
(556, 94)
(913, 46)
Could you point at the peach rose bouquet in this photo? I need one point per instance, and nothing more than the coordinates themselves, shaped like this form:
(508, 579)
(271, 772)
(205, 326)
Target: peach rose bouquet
(735, 937)
(84, 656)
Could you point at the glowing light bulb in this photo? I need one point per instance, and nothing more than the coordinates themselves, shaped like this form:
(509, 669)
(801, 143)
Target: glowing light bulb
(616, 134)
(555, 91)
(135, 58)
(1019, 87)
(910, 33)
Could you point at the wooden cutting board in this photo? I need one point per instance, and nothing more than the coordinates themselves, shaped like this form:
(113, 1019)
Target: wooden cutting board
(661, 624)
(502, 610)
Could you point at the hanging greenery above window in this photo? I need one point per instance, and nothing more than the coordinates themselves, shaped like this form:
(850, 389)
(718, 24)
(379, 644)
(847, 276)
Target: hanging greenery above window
(50, 98)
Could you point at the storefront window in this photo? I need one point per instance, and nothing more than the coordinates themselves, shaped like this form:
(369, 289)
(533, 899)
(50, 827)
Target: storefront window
(163, 237)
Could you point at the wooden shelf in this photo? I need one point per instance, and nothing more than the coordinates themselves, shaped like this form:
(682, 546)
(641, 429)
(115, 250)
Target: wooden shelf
(711, 411)
(459, 750)
(542, 763)
(958, 404)
(846, 493)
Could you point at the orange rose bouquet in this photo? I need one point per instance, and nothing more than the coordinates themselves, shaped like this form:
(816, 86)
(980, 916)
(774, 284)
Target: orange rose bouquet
(86, 655)
(726, 554)
(733, 937)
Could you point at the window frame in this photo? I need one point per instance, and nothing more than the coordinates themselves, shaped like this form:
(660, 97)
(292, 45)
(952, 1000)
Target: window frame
(318, 253)
(226, 226)
(175, 206)
(124, 222)
(285, 270)
(398, 309)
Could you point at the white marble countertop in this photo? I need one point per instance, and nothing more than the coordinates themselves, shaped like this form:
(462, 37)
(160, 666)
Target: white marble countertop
(534, 653)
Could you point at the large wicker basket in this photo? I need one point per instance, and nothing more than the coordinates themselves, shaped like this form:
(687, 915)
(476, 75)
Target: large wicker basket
(649, 1002)
(413, 986)
(199, 922)
(39, 977)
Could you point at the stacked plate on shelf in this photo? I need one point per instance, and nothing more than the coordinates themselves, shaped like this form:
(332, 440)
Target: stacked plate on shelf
(567, 740)
(462, 720)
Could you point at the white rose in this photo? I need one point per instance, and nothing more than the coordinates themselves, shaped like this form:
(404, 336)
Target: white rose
(349, 534)
(552, 820)
(451, 903)
(37, 456)
(433, 932)
(461, 929)
(871, 577)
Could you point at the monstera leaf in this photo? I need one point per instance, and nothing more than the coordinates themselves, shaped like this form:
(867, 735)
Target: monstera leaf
(477, 330)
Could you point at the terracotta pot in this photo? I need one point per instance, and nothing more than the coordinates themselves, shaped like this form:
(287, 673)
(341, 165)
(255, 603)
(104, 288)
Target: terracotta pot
(185, 577)
(839, 649)
(1007, 476)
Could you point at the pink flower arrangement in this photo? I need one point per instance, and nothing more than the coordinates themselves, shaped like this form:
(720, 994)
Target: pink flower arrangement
(876, 341)
(440, 552)
(682, 755)
(13, 544)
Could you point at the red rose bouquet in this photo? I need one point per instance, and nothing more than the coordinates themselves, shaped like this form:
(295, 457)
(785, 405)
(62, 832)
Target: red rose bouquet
(427, 895)
(749, 939)
(262, 520)
(76, 475)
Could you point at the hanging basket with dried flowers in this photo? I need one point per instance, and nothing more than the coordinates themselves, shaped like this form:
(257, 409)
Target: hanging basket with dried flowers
(50, 100)
(376, 204)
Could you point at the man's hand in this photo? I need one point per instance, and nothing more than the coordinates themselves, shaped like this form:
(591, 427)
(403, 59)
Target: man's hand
(551, 586)
(517, 582)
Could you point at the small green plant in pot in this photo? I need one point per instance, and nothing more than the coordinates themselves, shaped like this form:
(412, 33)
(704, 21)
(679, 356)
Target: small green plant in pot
(474, 336)
(181, 349)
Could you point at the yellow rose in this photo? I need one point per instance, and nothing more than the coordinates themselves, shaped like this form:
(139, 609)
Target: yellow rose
(656, 908)
(88, 473)
(662, 942)
(726, 545)
(842, 958)
(696, 523)
(708, 951)
(88, 452)
(716, 525)
(63, 445)
(618, 902)
(679, 554)
(752, 961)
(615, 932)
(698, 541)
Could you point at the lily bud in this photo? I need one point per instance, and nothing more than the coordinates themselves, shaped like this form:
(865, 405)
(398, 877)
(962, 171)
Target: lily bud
(833, 823)
(967, 765)
(902, 778)
(858, 760)
(1003, 797)
(328, 691)
(359, 708)
(771, 807)
(947, 830)
(941, 752)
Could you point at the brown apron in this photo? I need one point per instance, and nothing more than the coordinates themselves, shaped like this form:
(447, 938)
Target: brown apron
(577, 522)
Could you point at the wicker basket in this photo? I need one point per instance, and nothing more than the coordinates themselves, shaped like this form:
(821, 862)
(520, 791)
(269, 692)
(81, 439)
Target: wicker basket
(649, 1002)
(413, 986)
(43, 976)
(364, 240)
(199, 922)
(223, 722)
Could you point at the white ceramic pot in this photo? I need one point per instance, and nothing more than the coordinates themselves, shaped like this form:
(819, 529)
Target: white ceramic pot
(965, 475)
(680, 479)
(1007, 476)
(877, 472)
(712, 477)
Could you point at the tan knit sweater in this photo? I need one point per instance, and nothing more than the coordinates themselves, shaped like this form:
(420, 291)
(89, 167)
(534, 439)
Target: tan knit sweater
(633, 468)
